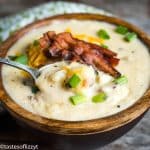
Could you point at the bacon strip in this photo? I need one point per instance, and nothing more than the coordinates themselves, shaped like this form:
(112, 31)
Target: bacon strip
(64, 46)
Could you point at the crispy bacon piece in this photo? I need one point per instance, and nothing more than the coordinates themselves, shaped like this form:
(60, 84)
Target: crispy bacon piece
(64, 46)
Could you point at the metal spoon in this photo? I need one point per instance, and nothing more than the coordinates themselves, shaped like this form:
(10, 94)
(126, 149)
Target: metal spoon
(33, 72)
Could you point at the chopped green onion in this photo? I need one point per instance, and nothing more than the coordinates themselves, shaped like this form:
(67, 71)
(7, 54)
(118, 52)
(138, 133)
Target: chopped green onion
(101, 97)
(34, 89)
(104, 46)
(36, 43)
(77, 99)
(74, 81)
(103, 34)
(12, 57)
(121, 30)
(121, 80)
(130, 36)
(23, 59)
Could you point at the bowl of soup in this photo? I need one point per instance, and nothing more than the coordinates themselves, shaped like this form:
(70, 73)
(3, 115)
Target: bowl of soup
(95, 74)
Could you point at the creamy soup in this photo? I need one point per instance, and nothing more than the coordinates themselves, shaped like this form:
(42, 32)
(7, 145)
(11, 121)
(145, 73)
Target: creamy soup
(54, 100)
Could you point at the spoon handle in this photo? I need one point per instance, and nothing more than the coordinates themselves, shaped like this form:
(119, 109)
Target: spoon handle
(31, 71)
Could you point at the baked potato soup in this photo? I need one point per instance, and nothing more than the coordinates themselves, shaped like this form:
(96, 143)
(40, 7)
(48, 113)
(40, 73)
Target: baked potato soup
(96, 69)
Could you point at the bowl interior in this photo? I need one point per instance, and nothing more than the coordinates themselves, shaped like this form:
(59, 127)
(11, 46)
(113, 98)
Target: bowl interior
(76, 127)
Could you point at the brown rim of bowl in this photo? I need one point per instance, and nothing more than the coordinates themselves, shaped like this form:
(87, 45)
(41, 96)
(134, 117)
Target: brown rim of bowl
(74, 127)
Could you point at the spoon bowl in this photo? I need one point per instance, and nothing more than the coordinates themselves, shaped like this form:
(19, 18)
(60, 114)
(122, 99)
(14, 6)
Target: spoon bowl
(32, 71)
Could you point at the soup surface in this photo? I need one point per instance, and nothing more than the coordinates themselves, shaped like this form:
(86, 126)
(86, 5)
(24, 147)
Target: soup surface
(100, 96)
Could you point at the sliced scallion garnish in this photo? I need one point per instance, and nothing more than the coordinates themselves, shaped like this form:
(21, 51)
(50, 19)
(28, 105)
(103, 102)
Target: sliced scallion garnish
(103, 34)
(74, 81)
(23, 59)
(130, 36)
(121, 80)
(121, 30)
(77, 99)
(101, 97)
(12, 57)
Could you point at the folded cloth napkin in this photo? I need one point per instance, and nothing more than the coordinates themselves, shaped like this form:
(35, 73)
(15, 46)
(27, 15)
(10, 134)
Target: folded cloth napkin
(12, 23)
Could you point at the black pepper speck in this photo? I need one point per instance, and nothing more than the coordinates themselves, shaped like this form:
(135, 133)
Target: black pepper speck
(114, 86)
(120, 49)
(118, 106)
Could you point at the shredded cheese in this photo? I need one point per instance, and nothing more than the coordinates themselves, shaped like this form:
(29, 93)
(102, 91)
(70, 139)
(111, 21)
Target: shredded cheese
(86, 37)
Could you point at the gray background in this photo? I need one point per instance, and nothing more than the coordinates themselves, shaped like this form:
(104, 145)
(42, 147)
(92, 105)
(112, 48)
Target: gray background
(135, 11)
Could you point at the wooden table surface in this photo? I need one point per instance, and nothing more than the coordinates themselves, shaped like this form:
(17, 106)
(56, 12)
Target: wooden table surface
(135, 11)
